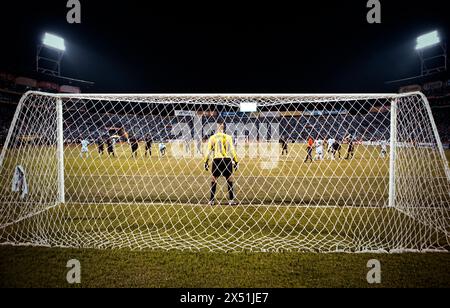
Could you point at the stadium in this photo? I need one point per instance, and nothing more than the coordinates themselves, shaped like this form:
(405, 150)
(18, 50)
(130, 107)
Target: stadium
(222, 187)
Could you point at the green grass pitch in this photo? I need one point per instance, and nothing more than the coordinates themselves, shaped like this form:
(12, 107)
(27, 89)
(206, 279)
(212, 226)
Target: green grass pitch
(37, 267)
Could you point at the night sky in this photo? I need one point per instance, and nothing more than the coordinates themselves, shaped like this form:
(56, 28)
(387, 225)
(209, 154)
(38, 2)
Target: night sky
(130, 46)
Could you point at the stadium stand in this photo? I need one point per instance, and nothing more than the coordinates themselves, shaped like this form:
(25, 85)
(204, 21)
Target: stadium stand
(370, 127)
(12, 87)
(296, 128)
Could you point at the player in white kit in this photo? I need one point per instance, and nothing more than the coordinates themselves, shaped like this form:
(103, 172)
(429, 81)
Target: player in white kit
(331, 142)
(383, 149)
(319, 149)
(84, 148)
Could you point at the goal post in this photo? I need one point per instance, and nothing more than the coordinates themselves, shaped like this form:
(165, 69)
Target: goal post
(316, 172)
(60, 150)
(393, 142)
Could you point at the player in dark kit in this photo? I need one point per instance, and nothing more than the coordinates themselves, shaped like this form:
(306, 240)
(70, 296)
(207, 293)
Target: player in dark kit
(148, 145)
(284, 146)
(351, 147)
(110, 147)
(134, 143)
(101, 146)
(336, 148)
(221, 147)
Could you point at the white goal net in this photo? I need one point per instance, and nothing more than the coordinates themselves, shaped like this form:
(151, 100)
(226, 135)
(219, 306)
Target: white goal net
(320, 173)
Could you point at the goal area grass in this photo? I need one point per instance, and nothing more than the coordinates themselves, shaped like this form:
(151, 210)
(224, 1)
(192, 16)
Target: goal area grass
(162, 203)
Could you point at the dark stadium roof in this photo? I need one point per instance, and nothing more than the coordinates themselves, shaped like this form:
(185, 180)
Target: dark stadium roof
(314, 48)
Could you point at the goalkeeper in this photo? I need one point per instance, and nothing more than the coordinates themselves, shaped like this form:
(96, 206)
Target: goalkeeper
(221, 147)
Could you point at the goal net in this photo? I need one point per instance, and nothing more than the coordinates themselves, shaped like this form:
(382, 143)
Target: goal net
(320, 173)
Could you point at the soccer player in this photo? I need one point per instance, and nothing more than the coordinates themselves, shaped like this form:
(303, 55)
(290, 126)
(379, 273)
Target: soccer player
(199, 146)
(134, 143)
(148, 144)
(331, 142)
(284, 146)
(351, 147)
(162, 149)
(309, 149)
(221, 147)
(235, 140)
(336, 149)
(100, 145)
(383, 149)
(84, 148)
(110, 142)
(319, 149)
(187, 145)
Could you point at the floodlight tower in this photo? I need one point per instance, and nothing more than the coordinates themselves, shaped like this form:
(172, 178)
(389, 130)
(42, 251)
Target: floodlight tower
(49, 55)
(432, 52)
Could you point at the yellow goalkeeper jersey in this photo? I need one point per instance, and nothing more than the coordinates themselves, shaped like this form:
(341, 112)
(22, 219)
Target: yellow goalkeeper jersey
(221, 146)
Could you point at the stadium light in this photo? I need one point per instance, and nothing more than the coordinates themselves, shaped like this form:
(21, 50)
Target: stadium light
(428, 40)
(53, 41)
(49, 54)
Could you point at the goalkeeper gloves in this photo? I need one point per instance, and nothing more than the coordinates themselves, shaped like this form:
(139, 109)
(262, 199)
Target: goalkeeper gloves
(206, 167)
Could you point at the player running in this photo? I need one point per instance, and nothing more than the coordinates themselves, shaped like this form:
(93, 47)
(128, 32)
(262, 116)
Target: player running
(221, 148)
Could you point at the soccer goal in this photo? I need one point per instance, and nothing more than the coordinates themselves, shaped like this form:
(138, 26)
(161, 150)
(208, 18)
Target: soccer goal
(321, 173)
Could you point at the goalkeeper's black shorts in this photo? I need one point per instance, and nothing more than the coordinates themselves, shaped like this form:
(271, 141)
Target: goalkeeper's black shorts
(222, 167)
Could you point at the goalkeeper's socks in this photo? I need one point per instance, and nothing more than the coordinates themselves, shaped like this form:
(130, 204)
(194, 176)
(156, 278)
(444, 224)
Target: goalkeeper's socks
(230, 190)
(213, 191)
